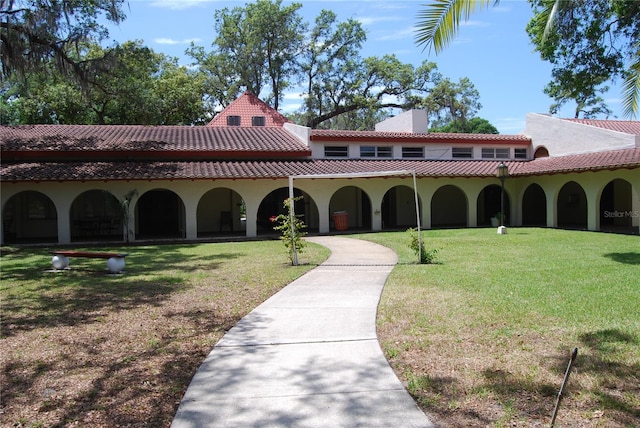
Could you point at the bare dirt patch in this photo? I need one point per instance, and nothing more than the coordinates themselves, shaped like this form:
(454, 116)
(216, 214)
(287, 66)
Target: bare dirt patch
(105, 352)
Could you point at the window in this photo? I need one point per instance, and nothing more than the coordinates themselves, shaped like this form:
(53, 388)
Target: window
(376, 151)
(520, 153)
(385, 152)
(367, 152)
(233, 120)
(490, 153)
(257, 121)
(413, 152)
(336, 151)
(462, 153)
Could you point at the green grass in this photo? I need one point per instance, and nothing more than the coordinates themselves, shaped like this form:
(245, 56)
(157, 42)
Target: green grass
(516, 305)
(482, 337)
(152, 272)
(531, 275)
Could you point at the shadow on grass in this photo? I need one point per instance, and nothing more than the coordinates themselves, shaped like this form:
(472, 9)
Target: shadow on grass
(154, 378)
(35, 298)
(620, 381)
(630, 258)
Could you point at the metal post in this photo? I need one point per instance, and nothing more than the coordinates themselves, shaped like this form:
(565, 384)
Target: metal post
(415, 194)
(292, 216)
(574, 354)
(502, 201)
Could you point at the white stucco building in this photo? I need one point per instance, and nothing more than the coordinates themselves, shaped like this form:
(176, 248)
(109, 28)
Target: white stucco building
(65, 183)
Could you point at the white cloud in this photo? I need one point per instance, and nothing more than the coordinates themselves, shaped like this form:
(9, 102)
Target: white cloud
(178, 4)
(168, 41)
(475, 23)
(398, 35)
(371, 20)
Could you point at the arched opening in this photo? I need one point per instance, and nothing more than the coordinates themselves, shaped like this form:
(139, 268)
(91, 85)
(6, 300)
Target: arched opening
(616, 207)
(95, 215)
(29, 216)
(572, 207)
(399, 208)
(355, 203)
(534, 206)
(273, 205)
(160, 214)
(541, 152)
(489, 207)
(449, 207)
(221, 211)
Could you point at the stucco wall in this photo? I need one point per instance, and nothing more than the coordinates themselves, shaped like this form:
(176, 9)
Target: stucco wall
(562, 137)
(321, 191)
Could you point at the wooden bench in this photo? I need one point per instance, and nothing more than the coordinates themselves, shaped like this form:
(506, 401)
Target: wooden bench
(115, 261)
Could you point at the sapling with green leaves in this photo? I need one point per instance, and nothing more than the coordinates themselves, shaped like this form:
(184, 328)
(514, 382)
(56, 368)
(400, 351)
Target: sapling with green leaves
(292, 229)
(417, 245)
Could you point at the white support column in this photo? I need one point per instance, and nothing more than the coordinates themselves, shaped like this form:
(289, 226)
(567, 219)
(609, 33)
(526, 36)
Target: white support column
(64, 221)
(593, 207)
(252, 219)
(552, 211)
(191, 220)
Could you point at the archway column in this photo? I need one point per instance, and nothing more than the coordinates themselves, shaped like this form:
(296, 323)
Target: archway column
(191, 219)
(376, 211)
(251, 207)
(63, 208)
(593, 207)
(552, 208)
(472, 208)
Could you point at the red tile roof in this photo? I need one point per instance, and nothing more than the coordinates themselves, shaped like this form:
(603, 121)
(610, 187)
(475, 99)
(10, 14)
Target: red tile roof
(626, 126)
(408, 137)
(613, 159)
(247, 106)
(148, 141)
(74, 171)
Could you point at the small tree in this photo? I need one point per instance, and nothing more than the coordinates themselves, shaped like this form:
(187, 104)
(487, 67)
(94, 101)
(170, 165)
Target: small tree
(417, 245)
(291, 228)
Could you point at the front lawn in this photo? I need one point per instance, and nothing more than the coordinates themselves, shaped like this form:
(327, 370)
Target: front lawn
(484, 337)
(481, 339)
(86, 348)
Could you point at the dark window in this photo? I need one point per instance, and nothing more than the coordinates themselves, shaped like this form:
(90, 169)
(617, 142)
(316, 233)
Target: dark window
(502, 153)
(462, 152)
(376, 152)
(257, 121)
(413, 152)
(490, 153)
(385, 152)
(367, 152)
(233, 120)
(336, 151)
(520, 153)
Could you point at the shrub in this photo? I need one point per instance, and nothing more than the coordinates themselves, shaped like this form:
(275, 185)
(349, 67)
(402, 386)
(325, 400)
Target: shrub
(426, 256)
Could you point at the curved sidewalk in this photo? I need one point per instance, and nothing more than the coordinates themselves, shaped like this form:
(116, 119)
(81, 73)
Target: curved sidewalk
(308, 356)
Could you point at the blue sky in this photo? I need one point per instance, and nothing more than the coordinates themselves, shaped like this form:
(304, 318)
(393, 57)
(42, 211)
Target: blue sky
(492, 49)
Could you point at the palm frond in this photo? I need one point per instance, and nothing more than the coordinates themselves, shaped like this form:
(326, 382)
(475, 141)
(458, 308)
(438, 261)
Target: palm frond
(549, 14)
(438, 21)
(631, 87)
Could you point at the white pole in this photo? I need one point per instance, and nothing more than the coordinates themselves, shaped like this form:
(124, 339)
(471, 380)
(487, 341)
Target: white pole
(292, 217)
(415, 193)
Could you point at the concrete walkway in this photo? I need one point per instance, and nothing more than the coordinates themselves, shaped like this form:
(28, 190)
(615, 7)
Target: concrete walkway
(308, 356)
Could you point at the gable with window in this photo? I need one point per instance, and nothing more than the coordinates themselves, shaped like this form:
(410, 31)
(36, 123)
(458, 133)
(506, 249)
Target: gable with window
(233, 120)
